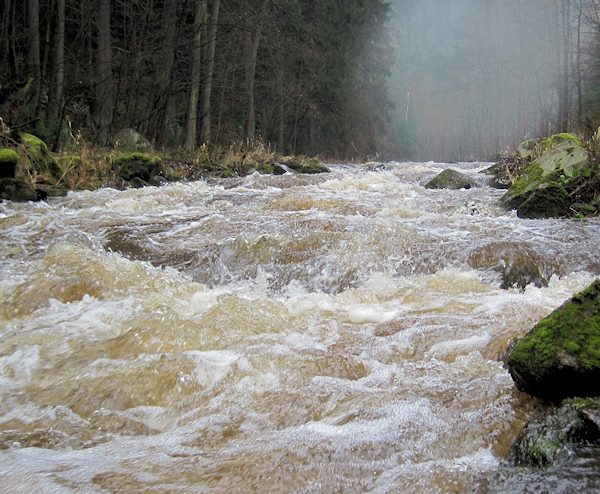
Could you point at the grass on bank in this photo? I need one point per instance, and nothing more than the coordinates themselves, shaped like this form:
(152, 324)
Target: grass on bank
(81, 166)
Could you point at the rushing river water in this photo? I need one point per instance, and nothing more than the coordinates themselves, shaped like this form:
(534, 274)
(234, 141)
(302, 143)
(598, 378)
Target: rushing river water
(329, 333)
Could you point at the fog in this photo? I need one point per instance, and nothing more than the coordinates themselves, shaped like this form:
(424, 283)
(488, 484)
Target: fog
(473, 78)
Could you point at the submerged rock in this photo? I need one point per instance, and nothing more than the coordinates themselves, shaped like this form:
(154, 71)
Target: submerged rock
(451, 179)
(516, 265)
(560, 357)
(559, 435)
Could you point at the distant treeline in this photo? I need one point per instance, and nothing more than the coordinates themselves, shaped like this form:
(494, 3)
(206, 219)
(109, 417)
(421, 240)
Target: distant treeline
(305, 76)
(476, 77)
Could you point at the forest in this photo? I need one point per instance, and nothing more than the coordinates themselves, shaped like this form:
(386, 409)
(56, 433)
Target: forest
(352, 80)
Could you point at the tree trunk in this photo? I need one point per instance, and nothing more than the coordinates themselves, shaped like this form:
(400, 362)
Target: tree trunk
(164, 72)
(59, 80)
(210, 63)
(192, 119)
(33, 56)
(251, 121)
(578, 82)
(103, 103)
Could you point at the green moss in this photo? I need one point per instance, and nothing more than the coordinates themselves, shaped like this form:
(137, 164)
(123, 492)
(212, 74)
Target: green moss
(302, 164)
(34, 144)
(544, 450)
(140, 165)
(16, 190)
(549, 142)
(573, 328)
(215, 169)
(36, 151)
(8, 156)
(266, 168)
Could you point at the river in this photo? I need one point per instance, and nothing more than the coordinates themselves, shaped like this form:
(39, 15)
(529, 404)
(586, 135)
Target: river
(327, 333)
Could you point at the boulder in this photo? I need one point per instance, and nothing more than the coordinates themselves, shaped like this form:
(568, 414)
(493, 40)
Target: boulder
(302, 164)
(560, 357)
(137, 165)
(499, 177)
(562, 160)
(36, 150)
(548, 200)
(12, 189)
(451, 179)
(526, 149)
(513, 264)
(131, 141)
(560, 435)
(137, 183)
(8, 162)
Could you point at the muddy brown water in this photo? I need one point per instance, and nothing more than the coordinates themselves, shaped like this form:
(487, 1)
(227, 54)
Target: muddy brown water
(329, 333)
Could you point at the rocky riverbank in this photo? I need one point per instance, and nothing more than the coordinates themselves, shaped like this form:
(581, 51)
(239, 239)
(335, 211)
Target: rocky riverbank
(29, 171)
(554, 177)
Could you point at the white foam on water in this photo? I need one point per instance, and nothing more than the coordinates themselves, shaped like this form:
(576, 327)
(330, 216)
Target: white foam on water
(347, 340)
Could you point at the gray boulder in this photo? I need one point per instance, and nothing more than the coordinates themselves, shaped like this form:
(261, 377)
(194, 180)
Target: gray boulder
(559, 435)
(451, 179)
(131, 141)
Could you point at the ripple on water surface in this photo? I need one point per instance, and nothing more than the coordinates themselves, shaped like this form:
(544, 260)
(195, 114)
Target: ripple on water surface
(271, 333)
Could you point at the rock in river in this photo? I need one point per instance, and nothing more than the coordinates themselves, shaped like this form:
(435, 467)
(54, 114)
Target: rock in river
(451, 179)
(560, 435)
(560, 357)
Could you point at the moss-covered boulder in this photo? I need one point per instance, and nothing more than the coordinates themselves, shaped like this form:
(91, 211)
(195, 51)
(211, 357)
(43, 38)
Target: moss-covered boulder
(12, 189)
(8, 162)
(451, 179)
(559, 435)
(137, 165)
(43, 163)
(302, 164)
(548, 200)
(527, 148)
(560, 357)
(557, 160)
(128, 140)
(499, 175)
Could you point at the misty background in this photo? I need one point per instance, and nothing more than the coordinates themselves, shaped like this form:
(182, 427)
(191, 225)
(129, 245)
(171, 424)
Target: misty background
(472, 78)
(357, 80)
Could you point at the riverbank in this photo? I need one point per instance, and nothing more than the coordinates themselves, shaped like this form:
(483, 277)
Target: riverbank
(29, 171)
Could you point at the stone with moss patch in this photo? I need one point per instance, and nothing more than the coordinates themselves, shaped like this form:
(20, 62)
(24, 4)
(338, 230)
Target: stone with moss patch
(560, 356)
(12, 189)
(527, 148)
(36, 152)
(131, 141)
(558, 435)
(137, 165)
(214, 169)
(302, 164)
(451, 179)
(559, 160)
(8, 162)
(548, 200)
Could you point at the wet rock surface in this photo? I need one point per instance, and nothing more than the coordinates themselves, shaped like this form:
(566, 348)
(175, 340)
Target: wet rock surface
(560, 356)
(451, 179)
